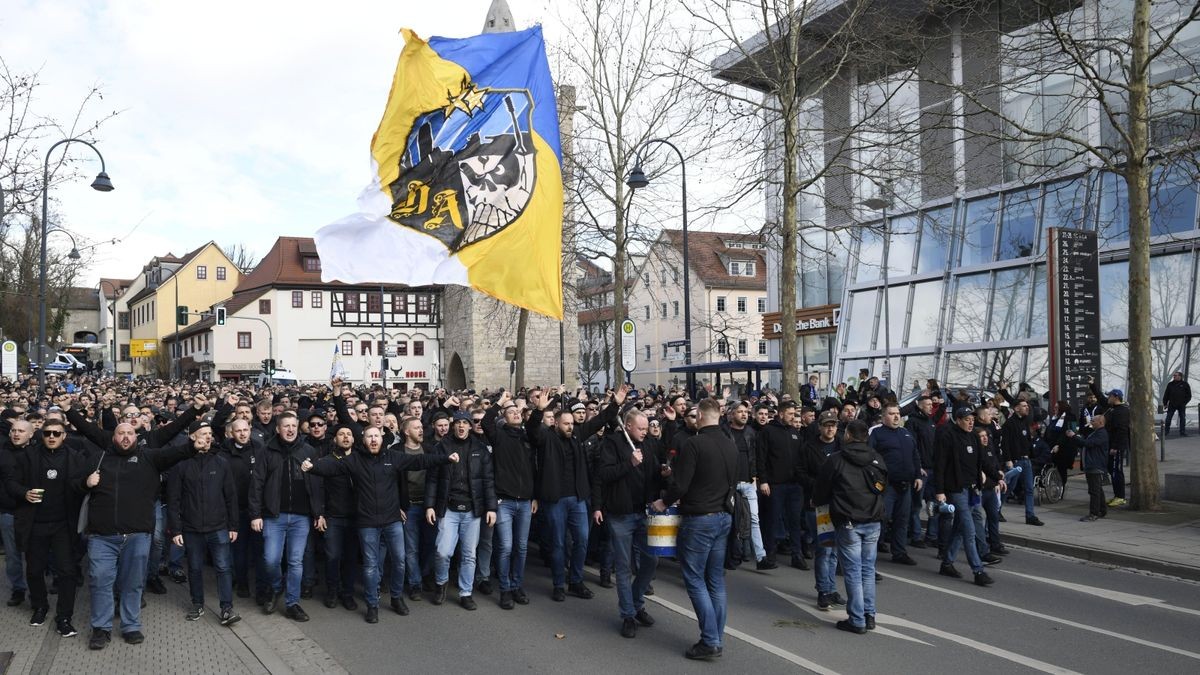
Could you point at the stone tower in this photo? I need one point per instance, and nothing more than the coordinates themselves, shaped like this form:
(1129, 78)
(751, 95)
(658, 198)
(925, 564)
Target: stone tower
(479, 329)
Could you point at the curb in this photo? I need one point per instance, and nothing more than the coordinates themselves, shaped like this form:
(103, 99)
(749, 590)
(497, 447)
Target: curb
(1104, 557)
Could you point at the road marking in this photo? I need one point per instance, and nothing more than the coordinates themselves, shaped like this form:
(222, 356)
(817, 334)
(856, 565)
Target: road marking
(826, 618)
(1115, 596)
(744, 637)
(761, 644)
(965, 641)
(1047, 617)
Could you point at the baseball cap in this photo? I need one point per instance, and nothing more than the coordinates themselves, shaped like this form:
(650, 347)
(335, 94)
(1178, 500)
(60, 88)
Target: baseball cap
(1118, 393)
(578, 405)
(197, 426)
(829, 416)
(462, 416)
(963, 412)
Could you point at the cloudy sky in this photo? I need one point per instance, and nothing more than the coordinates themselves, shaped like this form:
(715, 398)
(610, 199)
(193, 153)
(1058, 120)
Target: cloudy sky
(239, 121)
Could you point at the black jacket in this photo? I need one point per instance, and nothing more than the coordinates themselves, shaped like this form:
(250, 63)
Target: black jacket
(123, 501)
(338, 487)
(956, 460)
(29, 472)
(812, 458)
(513, 457)
(278, 462)
(747, 445)
(1016, 440)
(377, 480)
(778, 452)
(898, 448)
(551, 450)
(241, 461)
(9, 457)
(922, 428)
(626, 488)
(852, 483)
(703, 473)
(202, 495)
(478, 462)
(1177, 394)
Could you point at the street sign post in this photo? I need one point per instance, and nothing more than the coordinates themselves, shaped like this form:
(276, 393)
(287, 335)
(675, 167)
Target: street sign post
(1073, 282)
(8, 360)
(628, 348)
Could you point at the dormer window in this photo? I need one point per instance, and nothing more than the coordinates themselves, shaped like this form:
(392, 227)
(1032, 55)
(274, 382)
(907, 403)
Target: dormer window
(741, 268)
(312, 263)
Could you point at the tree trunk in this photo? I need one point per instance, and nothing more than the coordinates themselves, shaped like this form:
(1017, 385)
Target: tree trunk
(522, 324)
(1143, 462)
(788, 355)
(618, 282)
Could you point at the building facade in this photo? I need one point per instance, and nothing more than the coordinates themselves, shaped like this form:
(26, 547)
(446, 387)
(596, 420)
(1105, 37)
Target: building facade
(950, 281)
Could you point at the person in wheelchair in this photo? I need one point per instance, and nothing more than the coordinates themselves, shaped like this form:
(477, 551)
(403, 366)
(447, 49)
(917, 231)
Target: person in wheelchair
(1055, 436)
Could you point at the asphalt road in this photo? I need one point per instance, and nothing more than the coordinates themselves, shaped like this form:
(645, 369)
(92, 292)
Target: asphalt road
(1044, 614)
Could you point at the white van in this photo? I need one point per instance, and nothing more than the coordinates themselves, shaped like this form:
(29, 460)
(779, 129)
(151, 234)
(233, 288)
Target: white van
(281, 376)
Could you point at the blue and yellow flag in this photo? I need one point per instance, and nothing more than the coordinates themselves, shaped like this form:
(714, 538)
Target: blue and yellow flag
(468, 176)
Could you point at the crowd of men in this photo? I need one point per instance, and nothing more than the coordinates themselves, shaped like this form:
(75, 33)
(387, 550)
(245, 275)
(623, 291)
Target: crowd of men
(284, 489)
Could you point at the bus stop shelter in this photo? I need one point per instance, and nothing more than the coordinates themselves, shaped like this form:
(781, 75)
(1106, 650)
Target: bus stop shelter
(753, 370)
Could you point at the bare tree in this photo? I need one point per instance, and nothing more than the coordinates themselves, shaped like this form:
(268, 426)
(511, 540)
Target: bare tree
(242, 257)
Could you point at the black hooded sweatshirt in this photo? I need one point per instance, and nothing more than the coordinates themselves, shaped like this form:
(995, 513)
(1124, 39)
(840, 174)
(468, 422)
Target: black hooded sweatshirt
(852, 483)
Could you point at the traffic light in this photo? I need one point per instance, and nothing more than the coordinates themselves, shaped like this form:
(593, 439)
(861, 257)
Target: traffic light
(181, 315)
(266, 366)
(220, 316)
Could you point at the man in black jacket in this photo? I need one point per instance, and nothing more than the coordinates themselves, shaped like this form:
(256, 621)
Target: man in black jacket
(816, 452)
(457, 497)
(284, 502)
(122, 492)
(240, 451)
(736, 426)
(705, 473)
(377, 475)
(629, 480)
(20, 439)
(1016, 442)
(514, 462)
(340, 539)
(1116, 421)
(782, 497)
(202, 511)
(564, 486)
(957, 466)
(1176, 397)
(46, 486)
(852, 483)
(919, 422)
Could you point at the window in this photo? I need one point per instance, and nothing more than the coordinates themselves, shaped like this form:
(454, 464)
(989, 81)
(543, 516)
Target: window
(379, 347)
(264, 306)
(399, 303)
(870, 253)
(351, 302)
(970, 308)
(646, 278)
(741, 268)
(741, 304)
(935, 241)
(675, 275)
(221, 273)
(720, 303)
(862, 320)
(762, 347)
(122, 320)
(318, 299)
(424, 304)
(243, 339)
(979, 231)
(124, 352)
(375, 302)
(741, 346)
(418, 348)
(647, 352)
(722, 346)
(312, 264)
(662, 277)
(201, 271)
(664, 346)
(402, 348)
(347, 348)
(298, 299)
(664, 310)
(365, 346)
(675, 305)
(762, 305)
(1019, 229)
(926, 313)
(647, 308)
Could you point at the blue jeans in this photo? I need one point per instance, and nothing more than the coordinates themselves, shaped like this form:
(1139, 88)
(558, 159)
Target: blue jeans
(217, 544)
(290, 530)
(897, 511)
(750, 492)
(483, 553)
(701, 549)
(914, 524)
(856, 546)
(824, 559)
(963, 532)
(568, 513)
(1026, 479)
(13, 567)
(991, 508)
(118, 559)
(373, 540)
(340, 547)
(628, 538)
(457, 528)
(977, 520)
(419, 542)
(512, 528)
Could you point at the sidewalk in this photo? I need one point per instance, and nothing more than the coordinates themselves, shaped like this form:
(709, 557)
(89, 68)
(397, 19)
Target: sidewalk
(1166, 542)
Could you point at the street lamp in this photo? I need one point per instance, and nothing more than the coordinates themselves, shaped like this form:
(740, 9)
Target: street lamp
(636, 180)
(102, 183)
(882, 203)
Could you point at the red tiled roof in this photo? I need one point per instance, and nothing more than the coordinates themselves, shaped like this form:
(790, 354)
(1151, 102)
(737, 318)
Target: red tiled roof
(708, 257)
(113, 288)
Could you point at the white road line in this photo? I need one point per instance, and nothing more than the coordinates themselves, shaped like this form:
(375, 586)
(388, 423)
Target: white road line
(832, 620)
(967, 642)
(1115, 596)
(1047, 617)
(744, 637)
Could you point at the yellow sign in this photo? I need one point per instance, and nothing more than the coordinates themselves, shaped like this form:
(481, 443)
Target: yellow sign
(142, 348)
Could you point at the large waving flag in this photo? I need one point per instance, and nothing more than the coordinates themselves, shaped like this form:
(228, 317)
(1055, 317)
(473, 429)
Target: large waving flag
(467, 185)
